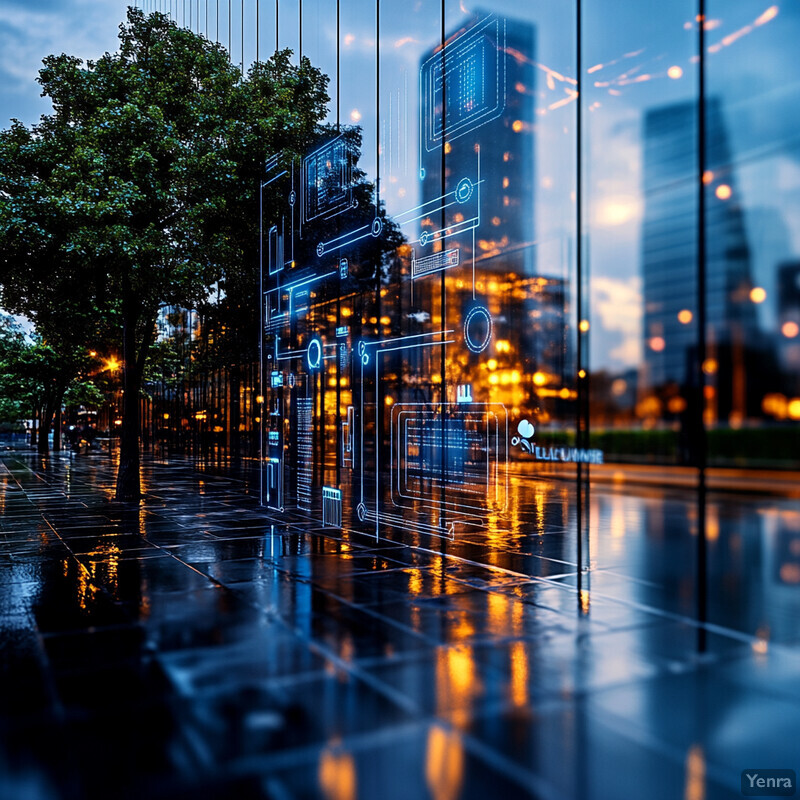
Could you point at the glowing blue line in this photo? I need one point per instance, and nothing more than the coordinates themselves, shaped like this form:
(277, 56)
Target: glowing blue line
(350, 241)
(410, 347)
(349, 233)
(406, 338)
(293, 286)
(271, 180)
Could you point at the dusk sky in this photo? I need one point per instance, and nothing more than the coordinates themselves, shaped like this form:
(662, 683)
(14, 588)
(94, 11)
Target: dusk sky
(32, 29)
(746, 51)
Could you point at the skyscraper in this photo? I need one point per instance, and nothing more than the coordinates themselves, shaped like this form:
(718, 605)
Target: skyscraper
(669, 259)
(478, 123)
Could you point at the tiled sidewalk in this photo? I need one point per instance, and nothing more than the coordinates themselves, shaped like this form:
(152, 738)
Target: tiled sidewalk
(195, 647)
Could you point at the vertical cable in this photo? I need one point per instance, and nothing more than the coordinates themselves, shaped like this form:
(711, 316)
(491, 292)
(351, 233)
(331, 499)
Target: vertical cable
(301, 29)
(582, 382)
(338, 70)
(339, 437)
(230, 42)
(242, 21)
(442, 283)
(378, 407)
(700, 425)
(261, 386)
(217, 36)
(258, 25)
(277, 40)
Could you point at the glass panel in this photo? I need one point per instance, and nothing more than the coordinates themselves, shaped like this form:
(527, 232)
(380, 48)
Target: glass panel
(753, 296)
(520, 267)
(640, 162)
(289, 27)
(753, 235)
(320, 43)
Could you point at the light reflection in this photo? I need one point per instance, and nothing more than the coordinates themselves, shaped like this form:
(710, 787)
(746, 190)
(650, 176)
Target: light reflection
(444, 763)
(519, 674)
(457, 684)
(337, 773)
(695, 773)
(726, 41)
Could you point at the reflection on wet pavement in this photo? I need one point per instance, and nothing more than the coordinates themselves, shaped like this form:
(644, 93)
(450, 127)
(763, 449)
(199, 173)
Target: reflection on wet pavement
(196, 647)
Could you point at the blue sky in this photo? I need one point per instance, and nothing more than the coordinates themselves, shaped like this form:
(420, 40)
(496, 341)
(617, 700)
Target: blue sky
(629, 46)
(31, 29)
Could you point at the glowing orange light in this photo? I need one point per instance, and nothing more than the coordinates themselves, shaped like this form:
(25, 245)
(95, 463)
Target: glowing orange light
(166, 416)
(769, 14)
(708, 176)
(260, 398)
(675, 72)
(355, 115)
(517, 126)
(93, 353)
(657, 344)
(492, 363)
(723, 191)
(685, 316)
(448, 148)
(584, 325)
(710, 366)
(793, 409)
(539, 378)
(388, 400)
(758, 294)
(790, 329)
(676, 405)
(582, 373)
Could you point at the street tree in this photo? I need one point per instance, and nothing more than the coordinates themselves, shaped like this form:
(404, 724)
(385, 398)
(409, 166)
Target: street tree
(151, 150)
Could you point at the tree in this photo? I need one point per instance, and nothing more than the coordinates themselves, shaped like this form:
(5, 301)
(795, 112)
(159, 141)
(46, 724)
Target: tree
(148, 151)
(40, 274)
(34, 381)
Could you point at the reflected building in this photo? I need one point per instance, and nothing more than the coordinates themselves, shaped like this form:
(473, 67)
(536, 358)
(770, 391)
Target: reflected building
(789, 319)
(528, 295)
(739, 356)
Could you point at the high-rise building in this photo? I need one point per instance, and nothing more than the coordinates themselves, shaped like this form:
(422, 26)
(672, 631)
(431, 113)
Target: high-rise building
(479, 124)
(669, 261)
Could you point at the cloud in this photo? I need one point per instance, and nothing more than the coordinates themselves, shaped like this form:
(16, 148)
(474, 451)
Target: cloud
(30, 31)
(618, 305)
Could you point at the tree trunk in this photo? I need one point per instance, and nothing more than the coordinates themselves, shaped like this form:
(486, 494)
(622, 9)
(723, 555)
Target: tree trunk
(129, 488)
(43, 444)
(57, 423)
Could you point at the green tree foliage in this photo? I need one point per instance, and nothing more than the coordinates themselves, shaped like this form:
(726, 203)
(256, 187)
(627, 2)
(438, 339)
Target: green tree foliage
(133, 185)
(31, 375)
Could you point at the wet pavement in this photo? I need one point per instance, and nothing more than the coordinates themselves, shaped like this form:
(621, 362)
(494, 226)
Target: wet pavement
(197, 647)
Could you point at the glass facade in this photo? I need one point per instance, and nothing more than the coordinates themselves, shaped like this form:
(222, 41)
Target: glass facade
(540, 275)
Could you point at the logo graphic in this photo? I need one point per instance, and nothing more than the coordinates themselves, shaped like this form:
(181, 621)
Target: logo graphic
(573, 455)
(525, 439)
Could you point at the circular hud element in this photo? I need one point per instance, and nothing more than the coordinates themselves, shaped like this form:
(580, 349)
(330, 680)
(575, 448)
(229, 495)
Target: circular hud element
(478, 329)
